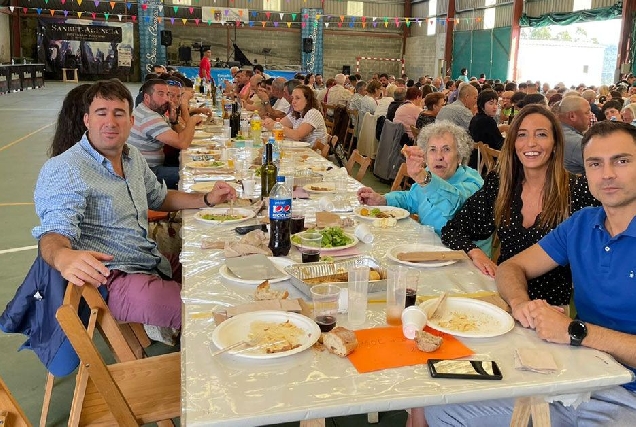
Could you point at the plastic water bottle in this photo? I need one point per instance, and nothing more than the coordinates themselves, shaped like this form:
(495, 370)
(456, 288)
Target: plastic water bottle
(278, 132)
(280, 218)
(256, 124)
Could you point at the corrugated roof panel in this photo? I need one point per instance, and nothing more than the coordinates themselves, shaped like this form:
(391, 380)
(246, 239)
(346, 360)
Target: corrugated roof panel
(538, 8)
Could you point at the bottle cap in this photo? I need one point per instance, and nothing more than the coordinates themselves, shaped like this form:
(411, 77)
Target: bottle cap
(280, 178)
(271, 140)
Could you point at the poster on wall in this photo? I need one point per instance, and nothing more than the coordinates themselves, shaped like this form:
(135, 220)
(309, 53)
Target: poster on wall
(96, 48)
(222, 15)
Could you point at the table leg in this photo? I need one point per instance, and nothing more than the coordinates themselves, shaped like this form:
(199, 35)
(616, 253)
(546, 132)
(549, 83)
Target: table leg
(525, 407)
(318, 422)
(521, 412)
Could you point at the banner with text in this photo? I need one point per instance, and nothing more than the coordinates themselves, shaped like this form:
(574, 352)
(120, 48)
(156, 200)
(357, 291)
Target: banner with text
(150, 26)
(223, 15)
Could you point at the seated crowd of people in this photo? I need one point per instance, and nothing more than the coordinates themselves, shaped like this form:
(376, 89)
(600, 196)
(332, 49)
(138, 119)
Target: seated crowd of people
(561, 196)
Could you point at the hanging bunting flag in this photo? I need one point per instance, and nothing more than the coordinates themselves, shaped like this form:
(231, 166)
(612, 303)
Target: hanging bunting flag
(374, 18)
(397, 22)
(161, 8)
(119, 16)
(39, 10)
(479, 19)
(306, 16)
(351, 24)
(209, 22)
(52, 12)
(128, 5)
(227, 12)
(63, 2)
(79, 2)
(191, 9)
(254, 14)
(263, 22)
(237, 23)
(172, 20)
(94, 15)
(159, 19)
(281, 16)
(46, 1)
(339, 24)
(25, 10)
(375, 24)
(327, 24)
(65, 13)
(144, 6)
(407, 20)
(112, 4)
(251, 23)
(196, 21)
(303, 24)
(341, 18)
(268, 14)
(294, 15)
(184, 20)
(96, 3)
(457, 21)
(147, 19)
(175, 8)
(134, 18)
(315, 24)
(289, 25)
(240, 11)
(386, 24)
(364, 25)
(276, 24)
(11, 8)
(106, 15)
(79, 14)
(364, 19)
(317, 16)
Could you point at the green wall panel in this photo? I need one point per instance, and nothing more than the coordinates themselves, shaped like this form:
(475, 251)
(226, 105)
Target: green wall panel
(482, 51)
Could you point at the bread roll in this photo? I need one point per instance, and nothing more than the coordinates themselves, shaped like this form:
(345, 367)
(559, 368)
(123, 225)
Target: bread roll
(374, 275)
(340, 341)
(264, 293)
(427, 342)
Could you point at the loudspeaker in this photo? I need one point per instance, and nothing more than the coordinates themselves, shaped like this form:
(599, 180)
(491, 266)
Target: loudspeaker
(185, 54)
(166, 38)
(308, 45)
(346, 69)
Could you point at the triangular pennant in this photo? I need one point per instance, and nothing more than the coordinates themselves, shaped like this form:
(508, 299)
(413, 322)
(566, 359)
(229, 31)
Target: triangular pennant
(339, 24)
(364, 19)
(184, 20)
(251, 23)
(282, 15)
(39, 10)
(175, 8)
(65, 13)
(276, 24)
(106, 15)
(112, 4)
(11, 8)
(408, 24)
(227, 12)
(119, 16)
(268, 14)
(191, 10)
(96, 3)
(147, 19)
(351, 24)
(397, 22)
(237, 23)
(128, 5)
(327, 24)
(209, 22)
(375, 24)
(46, 1)
(364, 25)
(386, 24)
(172, 20)
(374, 18)
(79, 14)
(240, 11)
(289, 25)
(304, 24)
(254, 14)
(79, 2)
(315, 24)
(419, 23)
(263, 22)
(63, 2)
(341, 18)
(196, 20)
(406, 20)
(306, 16)
(318, 16)
(159, 19)
(294, 15)
(144, 6)
(52, 12)
(160, 8)
(25, 10)
(134, 18)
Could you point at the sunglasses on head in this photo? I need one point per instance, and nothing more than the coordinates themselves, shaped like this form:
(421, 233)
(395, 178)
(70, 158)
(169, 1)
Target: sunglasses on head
(173, 83)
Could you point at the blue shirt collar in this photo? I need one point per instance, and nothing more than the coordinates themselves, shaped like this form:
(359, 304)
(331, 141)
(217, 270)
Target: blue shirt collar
(88, 147)
(599, 223)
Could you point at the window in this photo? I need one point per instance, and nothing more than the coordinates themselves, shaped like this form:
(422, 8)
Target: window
(186, 2)
(355, 8)
(432, 8)
(273, 5)
(431, 26)
(581, 5)
(489, 14)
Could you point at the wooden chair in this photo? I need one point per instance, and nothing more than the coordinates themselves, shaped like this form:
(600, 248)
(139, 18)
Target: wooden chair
(487, 158)
(136, 342)
(329, 123)
(363, 162)
(415, 131)
(131, 392)
(11, 414)
(401, 181)
(351, 131)
(322, 148)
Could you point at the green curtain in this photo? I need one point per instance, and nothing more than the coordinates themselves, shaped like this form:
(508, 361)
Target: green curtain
(568, 18)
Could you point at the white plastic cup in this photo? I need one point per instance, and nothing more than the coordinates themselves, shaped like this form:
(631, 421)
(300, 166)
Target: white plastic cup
(395, 294)
(413, 319)
(358, 289)
(363, 232)
(248, 186)
(325, 204)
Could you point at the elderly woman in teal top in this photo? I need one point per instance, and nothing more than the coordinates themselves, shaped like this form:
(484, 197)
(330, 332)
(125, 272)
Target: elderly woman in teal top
(442, 181)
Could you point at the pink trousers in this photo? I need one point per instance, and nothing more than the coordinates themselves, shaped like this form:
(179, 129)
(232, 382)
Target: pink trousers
(147, 299)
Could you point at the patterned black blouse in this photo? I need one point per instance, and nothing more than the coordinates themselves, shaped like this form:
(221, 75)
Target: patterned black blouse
(475, 221)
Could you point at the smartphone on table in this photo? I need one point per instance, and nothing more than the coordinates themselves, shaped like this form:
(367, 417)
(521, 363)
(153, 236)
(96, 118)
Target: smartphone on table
(464, 369)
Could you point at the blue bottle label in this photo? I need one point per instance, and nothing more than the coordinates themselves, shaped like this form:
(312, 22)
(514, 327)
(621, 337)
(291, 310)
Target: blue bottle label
(279, 209)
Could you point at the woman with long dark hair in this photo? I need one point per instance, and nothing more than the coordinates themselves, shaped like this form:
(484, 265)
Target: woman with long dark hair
(70, 121)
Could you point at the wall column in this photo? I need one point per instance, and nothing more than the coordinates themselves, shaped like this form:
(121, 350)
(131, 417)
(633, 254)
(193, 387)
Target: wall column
(624, 44)
(16, 40)
(448, 45)
(517, 10)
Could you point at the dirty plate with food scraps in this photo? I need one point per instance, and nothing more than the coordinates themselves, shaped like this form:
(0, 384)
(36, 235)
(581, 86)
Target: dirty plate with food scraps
(354, 241)
(469, 318)
(206, 187)
(418, 247)
(320, 187)
(279, 263)
(239, 328)
(206, 164)
(223, 215)
(373, 212)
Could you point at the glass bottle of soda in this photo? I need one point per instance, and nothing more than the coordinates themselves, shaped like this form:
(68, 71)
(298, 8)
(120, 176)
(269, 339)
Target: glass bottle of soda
(235, 120)
(279, 218)
(268, 173)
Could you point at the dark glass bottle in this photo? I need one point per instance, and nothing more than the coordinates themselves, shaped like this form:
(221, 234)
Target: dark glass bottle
(235, 121)
(268, 173)
(512, 115)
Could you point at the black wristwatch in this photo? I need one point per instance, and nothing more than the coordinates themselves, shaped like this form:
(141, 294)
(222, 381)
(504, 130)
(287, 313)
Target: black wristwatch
(577, 331)
(207, 203)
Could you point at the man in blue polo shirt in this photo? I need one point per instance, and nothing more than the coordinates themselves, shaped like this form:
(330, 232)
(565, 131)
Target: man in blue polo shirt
(599, 245)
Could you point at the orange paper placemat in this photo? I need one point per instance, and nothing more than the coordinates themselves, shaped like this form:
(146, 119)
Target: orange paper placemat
(382, 348)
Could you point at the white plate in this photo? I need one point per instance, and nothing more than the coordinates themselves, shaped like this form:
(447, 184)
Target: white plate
(237, 329)
(202, 151)
(417, 247)
(280, 263)
(201, 143)
(206, 187)
(398, 213)
(248, 213)
(491, 320)
(336, 248)
(288, 143)
(205, 164)
(214, 177)
(200, 134)
(330, 187)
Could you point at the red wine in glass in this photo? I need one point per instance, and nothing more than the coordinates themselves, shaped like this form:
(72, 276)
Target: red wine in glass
(326, 322)
(310, 257)
(411, 295)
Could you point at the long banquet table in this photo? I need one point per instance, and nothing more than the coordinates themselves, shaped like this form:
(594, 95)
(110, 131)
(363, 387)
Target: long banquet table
(231, 391)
